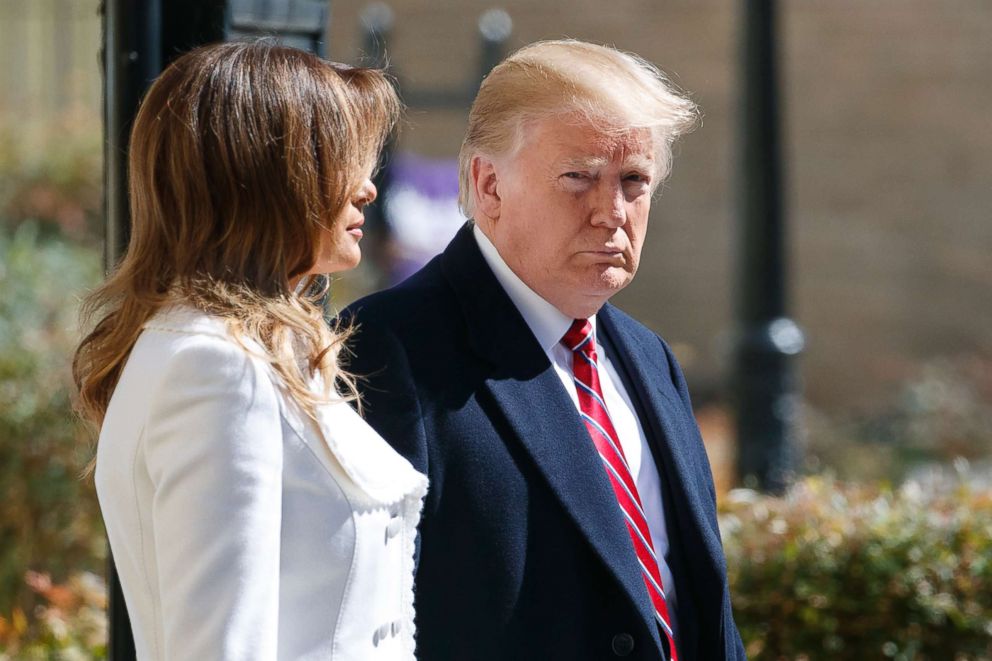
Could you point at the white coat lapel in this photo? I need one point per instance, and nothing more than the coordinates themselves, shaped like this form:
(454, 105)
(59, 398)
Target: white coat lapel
(381, 475)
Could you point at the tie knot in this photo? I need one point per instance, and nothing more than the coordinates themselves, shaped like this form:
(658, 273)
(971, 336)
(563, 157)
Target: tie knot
(577, 334)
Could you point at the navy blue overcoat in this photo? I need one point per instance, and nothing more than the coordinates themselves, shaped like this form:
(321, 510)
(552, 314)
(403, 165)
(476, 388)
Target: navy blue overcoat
(523, 552)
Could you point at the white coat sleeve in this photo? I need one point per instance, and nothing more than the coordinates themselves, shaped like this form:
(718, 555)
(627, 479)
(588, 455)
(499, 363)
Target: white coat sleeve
(213, 448)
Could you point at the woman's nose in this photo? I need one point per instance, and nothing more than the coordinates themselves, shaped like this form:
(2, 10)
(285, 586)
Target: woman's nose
(366, 193)
(371, 192)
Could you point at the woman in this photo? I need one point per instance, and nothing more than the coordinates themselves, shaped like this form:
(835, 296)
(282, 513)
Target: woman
(251, 513)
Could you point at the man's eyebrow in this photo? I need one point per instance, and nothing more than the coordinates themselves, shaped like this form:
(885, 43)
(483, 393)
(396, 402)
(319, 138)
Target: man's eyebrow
(639, 162)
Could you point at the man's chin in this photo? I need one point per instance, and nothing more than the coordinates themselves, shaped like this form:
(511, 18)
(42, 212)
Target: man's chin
(612, 279)
(596, 291)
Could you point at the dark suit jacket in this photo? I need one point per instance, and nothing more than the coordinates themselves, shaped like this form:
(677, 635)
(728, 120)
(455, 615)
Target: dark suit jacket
(523, 551)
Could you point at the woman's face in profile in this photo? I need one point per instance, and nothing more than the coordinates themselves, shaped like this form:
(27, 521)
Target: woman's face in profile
(339, 249)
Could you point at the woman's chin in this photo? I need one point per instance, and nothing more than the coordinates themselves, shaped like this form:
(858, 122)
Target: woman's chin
(344, 260)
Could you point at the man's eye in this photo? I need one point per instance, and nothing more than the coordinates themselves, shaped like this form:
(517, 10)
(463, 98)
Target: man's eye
(573, 175)
(637, 177)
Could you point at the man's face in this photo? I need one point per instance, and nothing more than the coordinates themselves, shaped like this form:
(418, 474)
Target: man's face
(573, 211)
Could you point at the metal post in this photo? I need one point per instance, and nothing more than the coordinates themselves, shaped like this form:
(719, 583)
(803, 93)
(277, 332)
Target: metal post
(495, 27)
(766, 391)
(131, 60)
(187, 24)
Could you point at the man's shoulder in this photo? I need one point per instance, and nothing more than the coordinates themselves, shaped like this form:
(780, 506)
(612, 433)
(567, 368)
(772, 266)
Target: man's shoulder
(651, 347)
(650, 343)
(418, 316)
(629, 325)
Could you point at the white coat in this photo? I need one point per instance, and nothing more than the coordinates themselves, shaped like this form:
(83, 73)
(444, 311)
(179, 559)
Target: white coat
(239, 527)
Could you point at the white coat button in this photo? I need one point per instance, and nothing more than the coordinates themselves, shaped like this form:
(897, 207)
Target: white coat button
(380, 634)
(395, 627)
(393, 528)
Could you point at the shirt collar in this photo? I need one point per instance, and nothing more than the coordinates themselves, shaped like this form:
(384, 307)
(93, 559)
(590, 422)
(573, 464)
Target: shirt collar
(546, 322)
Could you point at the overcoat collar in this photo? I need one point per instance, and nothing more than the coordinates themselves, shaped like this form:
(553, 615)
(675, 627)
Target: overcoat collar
(544, 421)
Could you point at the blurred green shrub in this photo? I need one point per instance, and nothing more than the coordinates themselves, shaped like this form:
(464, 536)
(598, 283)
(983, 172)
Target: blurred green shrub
(833, 571)
(49, 519)
(51, 173)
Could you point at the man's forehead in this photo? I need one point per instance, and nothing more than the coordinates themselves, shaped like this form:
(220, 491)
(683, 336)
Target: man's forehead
(584, 143)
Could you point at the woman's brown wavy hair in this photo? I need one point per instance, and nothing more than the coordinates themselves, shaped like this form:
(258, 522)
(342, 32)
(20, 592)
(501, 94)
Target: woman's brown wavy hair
(241, 155)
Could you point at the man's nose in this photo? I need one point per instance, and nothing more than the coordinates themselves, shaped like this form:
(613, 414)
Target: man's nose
(611, 209)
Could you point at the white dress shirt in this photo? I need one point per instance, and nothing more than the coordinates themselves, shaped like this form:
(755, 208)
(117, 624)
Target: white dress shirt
(548, 324)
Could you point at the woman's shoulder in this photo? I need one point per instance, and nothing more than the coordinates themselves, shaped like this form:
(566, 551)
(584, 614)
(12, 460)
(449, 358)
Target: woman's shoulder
(182, 328)
(186, 320)
(184, 346)
(187, 378)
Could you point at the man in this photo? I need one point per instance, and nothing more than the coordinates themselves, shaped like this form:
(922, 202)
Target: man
(571, 511)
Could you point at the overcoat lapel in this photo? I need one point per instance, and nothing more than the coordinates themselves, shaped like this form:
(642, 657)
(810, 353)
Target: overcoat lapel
(527, 391)
(666, 424)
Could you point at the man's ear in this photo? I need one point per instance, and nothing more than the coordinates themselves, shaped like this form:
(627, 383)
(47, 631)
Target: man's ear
(485, 187)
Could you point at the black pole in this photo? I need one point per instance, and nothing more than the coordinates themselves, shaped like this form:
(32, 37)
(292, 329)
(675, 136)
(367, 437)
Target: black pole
(495, 26)
(131, 60)
(140, 38)
(187, 24)
(766, 394)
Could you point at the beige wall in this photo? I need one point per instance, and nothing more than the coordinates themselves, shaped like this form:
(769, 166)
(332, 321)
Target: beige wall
(889, 144)
(48, 56)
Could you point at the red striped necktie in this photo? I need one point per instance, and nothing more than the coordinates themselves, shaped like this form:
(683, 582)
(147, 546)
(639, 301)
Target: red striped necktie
(579, 339)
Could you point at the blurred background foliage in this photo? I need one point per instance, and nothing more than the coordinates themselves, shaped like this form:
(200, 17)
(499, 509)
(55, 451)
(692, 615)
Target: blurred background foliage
(879, 551)
(52, 175)
(50, 253)
(864, 572)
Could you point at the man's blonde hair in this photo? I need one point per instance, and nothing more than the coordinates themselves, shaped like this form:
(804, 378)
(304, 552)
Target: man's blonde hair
(571, 80)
